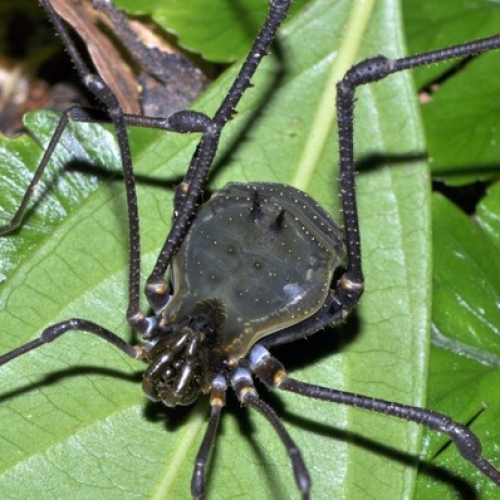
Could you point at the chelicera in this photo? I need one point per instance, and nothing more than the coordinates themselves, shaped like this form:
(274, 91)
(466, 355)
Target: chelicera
(215, 331)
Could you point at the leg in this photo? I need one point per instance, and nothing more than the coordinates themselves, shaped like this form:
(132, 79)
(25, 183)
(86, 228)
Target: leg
(190, 190)
(347, 292)
(18, 216)
(53, 332)
(273, 374)
(184, 122)
(372, 70)
(241, 381)
(217, 401)
(195, 180)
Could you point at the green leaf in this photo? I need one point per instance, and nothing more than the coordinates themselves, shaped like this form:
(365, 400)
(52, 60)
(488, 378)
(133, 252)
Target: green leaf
(464, 146)
(430, 25)
(73, 420)
(220, 31)
(462, 140)
(488, 211)
(465, 359)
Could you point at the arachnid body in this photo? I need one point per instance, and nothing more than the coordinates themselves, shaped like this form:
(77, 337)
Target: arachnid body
(90, 400)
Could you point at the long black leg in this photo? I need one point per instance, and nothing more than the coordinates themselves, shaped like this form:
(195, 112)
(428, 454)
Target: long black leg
(186, 122)
(99, 88)
(53, 332)
(347, 291)
(465, 440)
(18, 216)
(368, 71)
(190, 190)
(241, 381)
(189, 193)
(183, 122)
(273, 374)
(217, 401)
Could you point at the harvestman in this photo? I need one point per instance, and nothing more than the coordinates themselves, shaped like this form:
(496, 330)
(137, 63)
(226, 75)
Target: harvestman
(216, 328)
